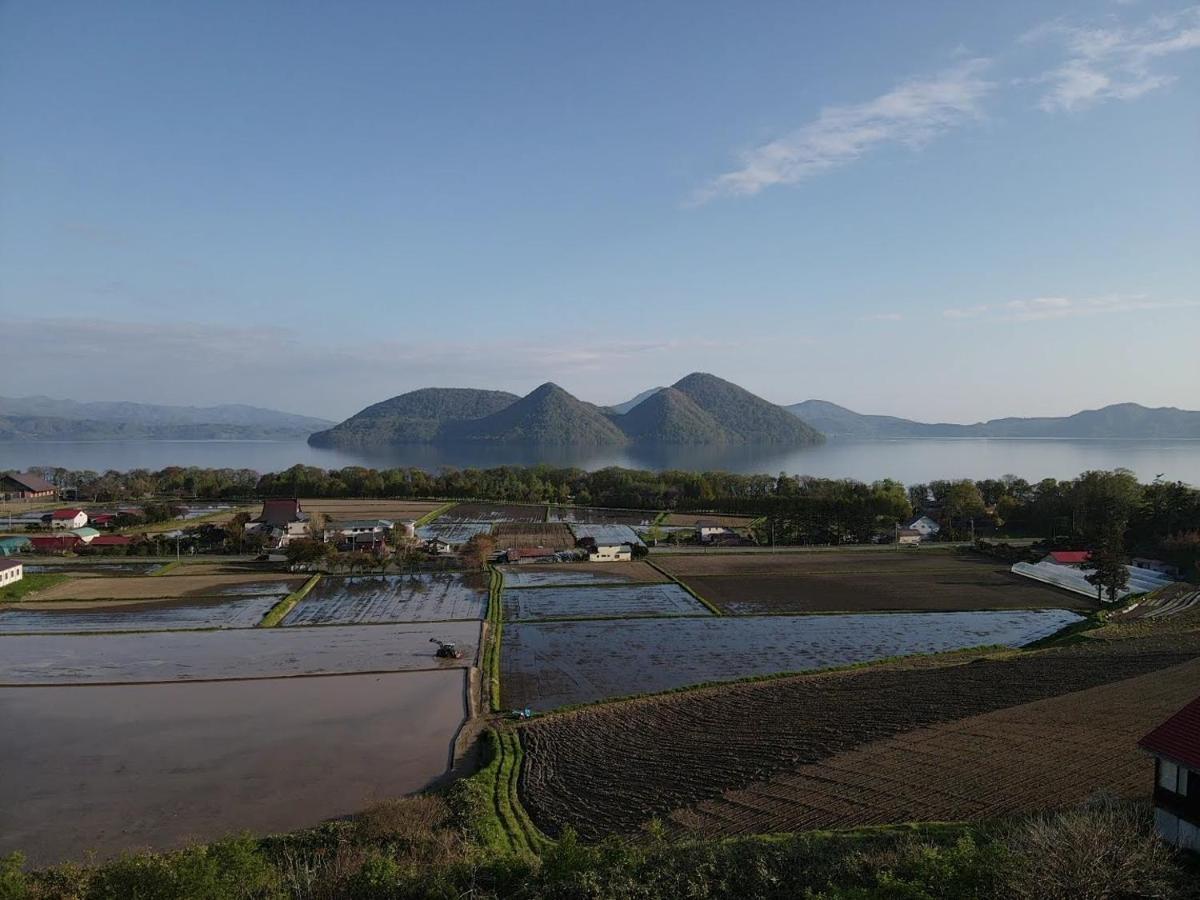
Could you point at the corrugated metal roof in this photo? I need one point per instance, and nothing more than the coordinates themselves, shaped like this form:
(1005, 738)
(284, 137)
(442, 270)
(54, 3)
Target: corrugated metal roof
(1178, 737)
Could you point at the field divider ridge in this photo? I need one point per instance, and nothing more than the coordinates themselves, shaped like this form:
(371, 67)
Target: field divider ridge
(167, 568)
(491, 646)
(276, 613)
(434, 513)
(709, 606)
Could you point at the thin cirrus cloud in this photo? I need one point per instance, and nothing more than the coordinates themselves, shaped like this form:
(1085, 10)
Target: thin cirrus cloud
(1107, 62)
(1040, 309)
(1114, 62)
(912, 114)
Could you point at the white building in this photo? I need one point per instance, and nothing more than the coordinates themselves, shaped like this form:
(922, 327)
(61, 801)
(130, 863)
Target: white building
(11, 571)
(924, 526)
(611, 553)
(706, 531)
(68, 518)
(354, 527)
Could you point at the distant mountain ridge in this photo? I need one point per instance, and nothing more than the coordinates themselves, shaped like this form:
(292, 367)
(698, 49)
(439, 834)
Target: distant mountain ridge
(1119, 421)
(698, 409)
(46, 418)
(622, 408)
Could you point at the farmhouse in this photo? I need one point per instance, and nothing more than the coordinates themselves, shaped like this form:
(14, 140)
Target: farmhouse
(111, 540)
(281, 521)
(1155, 565)
(708, 531)
(25, 486)
(68, 518)
(11, 570)
(611, 553)
(924, 526)
(55, 543)
(438, 547)
(1175, 746)
(335, 531)
(365, 542)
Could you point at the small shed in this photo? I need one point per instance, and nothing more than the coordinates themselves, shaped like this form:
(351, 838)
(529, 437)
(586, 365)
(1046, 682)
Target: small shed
(1069, 557)
(1175, 746)
(909, 536)
(68, 518)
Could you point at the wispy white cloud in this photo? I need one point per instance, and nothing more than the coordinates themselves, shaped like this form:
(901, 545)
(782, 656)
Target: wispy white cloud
(912, 114)
(1112, 62)
(1039, 309)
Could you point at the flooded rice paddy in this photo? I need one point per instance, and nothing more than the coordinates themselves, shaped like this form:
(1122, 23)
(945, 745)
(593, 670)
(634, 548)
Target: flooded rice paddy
(453, 532)
(426, 597)
(114, 768)
(141, 615)
(566, 575)
(233, 654)
(600, 602)
(552, 664)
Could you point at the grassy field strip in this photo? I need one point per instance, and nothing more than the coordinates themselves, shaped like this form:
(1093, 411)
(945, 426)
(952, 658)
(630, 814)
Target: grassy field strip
(491, 649)
(710, 607)
(500, 822)
(168, 567)
(435, 513)
(30, 584)
(277, 612)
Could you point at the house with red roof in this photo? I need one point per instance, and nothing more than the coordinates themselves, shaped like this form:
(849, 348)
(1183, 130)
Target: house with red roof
(111, 540)
(1175, 745)
(69, 518)
(55, 543)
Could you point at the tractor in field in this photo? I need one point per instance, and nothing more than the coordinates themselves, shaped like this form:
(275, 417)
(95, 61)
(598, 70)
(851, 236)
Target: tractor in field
(446, 650)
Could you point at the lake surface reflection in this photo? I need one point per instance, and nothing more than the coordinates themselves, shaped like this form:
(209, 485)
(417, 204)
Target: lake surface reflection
(909, 460)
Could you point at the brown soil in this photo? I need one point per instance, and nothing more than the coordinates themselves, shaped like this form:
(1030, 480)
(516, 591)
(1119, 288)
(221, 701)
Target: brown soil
(167, 586)
(397, 510)
(1049, 753)
(691, 519)
(550, 535)
(587, 573)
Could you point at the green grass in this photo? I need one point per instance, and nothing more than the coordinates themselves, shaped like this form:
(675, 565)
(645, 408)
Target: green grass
(169, 567)
(276, 613)
(491, 648)
(30, 584)
(497, 819)
(710, 607)
(434, 513)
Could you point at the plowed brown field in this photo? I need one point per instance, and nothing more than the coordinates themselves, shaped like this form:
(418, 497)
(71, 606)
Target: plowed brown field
(879, 581)
(397, 510)
(1039, 755)
(610, 768)
(161, 587)
(518, 534)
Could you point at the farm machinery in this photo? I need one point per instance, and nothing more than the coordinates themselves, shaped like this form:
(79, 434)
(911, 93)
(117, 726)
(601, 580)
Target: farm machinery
(446, 650)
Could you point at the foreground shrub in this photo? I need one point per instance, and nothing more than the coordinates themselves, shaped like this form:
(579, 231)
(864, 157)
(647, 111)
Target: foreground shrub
(1104, 849)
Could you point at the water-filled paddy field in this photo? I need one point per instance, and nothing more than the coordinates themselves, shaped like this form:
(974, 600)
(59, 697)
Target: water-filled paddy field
(453, 532)
(581, 573)
(607, 534)
(232, 654)
(424, 597)
(142, 615)
(552, 664)
(621, 601)
(113, 768)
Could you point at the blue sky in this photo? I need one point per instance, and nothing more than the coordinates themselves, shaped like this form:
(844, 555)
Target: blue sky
(942, 210)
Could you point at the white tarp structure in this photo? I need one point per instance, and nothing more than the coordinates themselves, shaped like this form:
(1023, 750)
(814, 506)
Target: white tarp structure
(1072, 579)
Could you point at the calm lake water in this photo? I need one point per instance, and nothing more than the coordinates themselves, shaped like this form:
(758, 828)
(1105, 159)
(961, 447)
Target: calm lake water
(909, 460)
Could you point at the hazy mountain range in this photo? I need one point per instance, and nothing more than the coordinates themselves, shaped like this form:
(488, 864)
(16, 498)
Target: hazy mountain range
(698, 409)
(50, 419)
(1119, 421)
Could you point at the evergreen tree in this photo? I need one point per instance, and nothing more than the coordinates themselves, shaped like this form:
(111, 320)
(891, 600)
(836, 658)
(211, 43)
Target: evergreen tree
(1108, 560)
